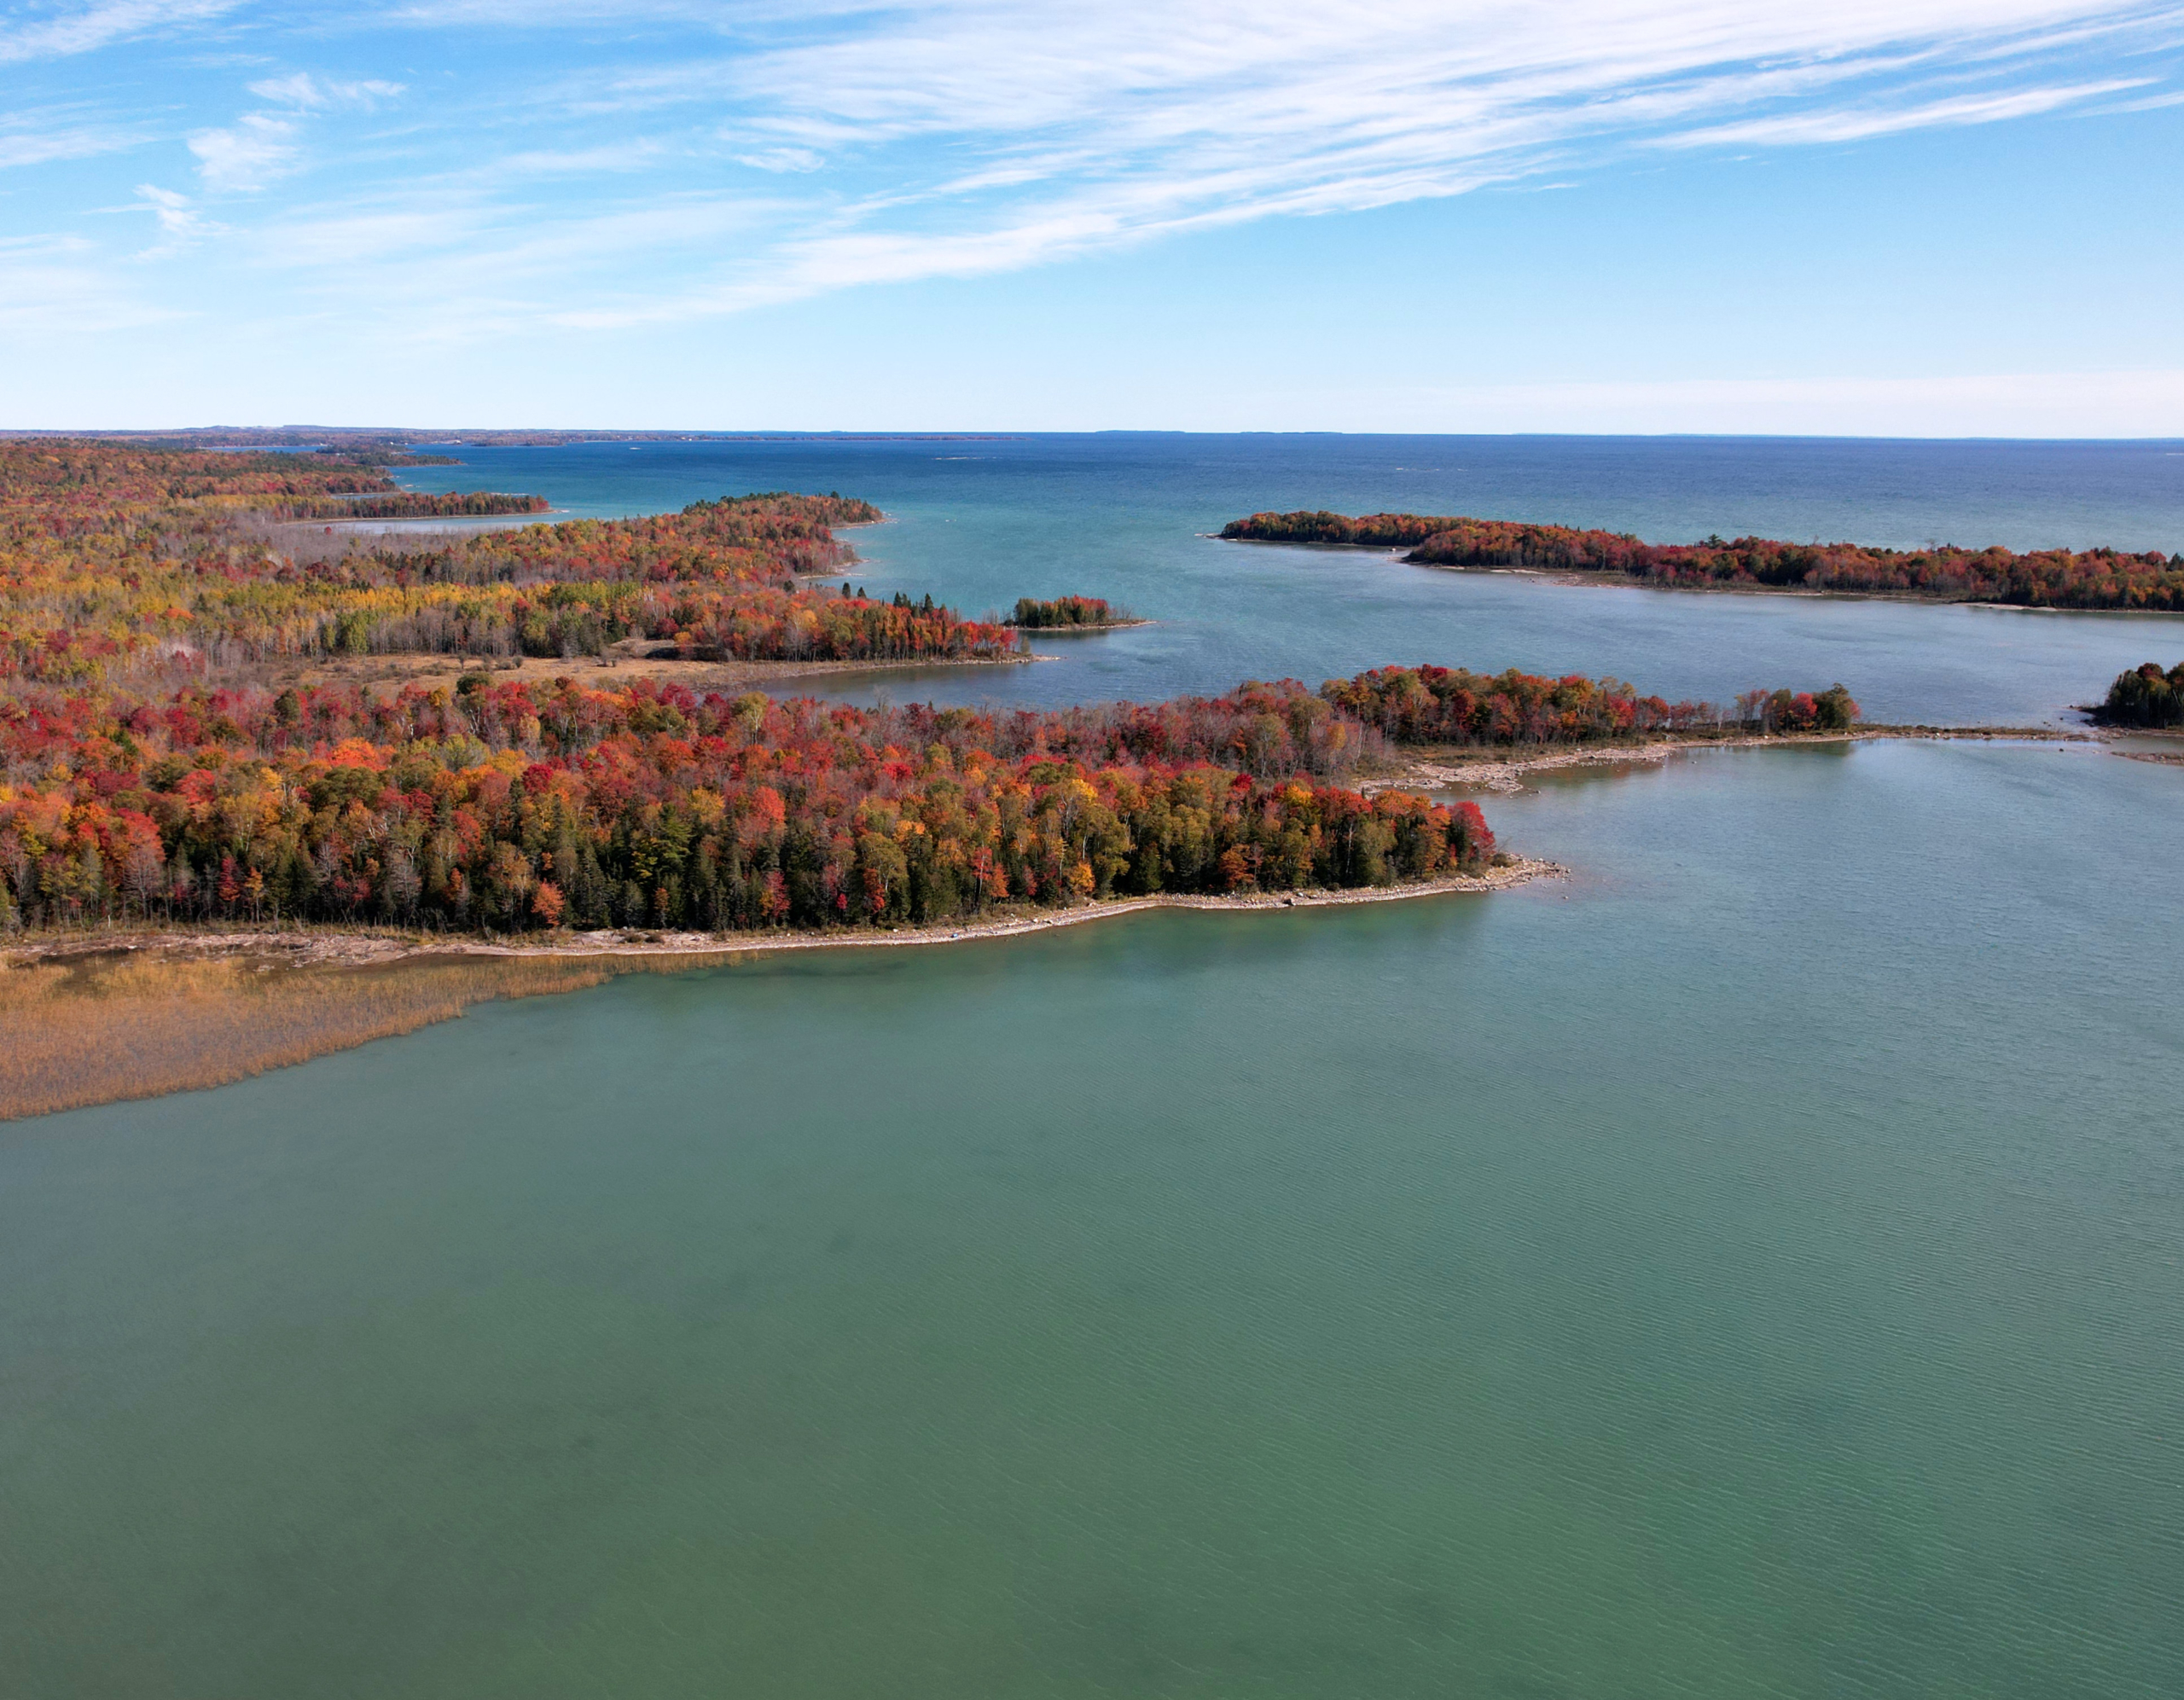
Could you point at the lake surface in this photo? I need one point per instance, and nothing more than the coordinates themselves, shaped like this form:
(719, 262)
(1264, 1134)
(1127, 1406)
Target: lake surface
(1127, 517)
(1755, 1266)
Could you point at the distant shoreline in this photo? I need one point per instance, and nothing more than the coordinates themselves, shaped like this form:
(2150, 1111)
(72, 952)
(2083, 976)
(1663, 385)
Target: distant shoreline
(1396, 553)
(424, 525)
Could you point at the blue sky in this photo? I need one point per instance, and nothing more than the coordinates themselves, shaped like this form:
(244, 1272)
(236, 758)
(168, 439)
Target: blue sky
(1926, 217)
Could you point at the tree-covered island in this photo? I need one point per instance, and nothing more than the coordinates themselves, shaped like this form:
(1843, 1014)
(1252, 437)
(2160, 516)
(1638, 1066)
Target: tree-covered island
(2145, 697)
(1070, 614)
(2098, 578)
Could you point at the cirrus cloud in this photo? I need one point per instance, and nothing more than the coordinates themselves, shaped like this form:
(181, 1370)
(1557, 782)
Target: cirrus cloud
(248, 153)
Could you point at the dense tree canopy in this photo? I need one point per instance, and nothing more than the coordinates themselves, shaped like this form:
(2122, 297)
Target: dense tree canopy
(2145, 696)
(507, 806)
(151, 767)
(2095, 578)
(123, 564)
(1444, 705)
(1067, 612)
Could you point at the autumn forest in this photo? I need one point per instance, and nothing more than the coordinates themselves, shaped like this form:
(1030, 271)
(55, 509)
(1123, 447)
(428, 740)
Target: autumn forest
(2050, 578)
(155, 766)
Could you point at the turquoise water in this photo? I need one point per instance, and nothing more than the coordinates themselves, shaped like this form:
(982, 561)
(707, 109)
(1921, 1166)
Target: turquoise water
(978, 523)
(1755, 1266)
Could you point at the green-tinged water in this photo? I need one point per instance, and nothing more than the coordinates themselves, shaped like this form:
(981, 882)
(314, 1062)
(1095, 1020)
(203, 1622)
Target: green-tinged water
(1753, 1267)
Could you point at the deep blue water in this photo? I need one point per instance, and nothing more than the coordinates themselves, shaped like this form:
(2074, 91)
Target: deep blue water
(1128, 517)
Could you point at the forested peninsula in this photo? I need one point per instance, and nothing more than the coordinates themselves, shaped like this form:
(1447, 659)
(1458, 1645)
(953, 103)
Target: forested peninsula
(184, 766)
(161, 767)
(2108, 579)
(500, 808)
(121, 565)
(158, 770)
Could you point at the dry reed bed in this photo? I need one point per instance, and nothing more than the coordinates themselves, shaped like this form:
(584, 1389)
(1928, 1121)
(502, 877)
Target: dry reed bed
(157, 1013)
(89, 1029)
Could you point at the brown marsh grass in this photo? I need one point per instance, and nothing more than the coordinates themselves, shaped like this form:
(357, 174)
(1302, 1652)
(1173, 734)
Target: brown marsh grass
(92, 1029)
(93, 1025)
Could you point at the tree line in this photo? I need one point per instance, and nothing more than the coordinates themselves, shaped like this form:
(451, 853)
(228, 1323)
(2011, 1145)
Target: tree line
(2058, 579)
(407, 504)
(1034, 614)
(509, 807)
(2145, 696)
(124, 564)
(1446, 705)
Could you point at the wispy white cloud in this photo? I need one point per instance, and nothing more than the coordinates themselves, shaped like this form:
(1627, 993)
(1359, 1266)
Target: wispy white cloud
(181, 224)
(930, 138)
(83, 29)
(782, 160)
(308, 93)
(2152, 103)
(249, 153)
(1064, 129)
(1855, 124)
(611, 157)
(34, 139)
(470, 266)
(261, 147)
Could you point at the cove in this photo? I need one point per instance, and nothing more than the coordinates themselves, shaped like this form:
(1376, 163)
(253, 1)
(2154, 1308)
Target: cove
(1750, 1267)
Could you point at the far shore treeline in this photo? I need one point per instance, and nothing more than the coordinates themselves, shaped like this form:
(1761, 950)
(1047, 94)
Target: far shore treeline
(2048, 578)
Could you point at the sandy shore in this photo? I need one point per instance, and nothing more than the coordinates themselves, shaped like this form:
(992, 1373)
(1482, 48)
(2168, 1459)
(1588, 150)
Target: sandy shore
(1518, 872)
(1455, 769)
(312, 944)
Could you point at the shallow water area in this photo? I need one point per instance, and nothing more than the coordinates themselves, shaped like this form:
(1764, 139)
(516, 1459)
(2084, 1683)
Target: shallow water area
(1752, 1265)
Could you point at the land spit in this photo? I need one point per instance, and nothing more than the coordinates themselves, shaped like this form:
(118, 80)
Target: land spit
(1455, 768)
(97, 1017)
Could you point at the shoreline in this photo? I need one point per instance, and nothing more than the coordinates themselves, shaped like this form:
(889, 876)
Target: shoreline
(1398, 555)
(1077, 631)
(393, 670)
(103, 1017)
(1454, 768)
(312, 945)
(393, 525)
